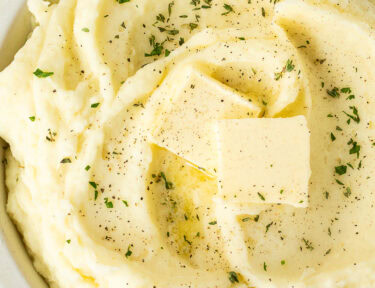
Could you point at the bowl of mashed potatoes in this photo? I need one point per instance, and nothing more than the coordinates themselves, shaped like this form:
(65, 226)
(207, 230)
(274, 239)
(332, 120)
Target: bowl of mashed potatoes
(199, 143)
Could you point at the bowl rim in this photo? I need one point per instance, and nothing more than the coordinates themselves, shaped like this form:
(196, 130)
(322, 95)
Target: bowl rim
(16, 269)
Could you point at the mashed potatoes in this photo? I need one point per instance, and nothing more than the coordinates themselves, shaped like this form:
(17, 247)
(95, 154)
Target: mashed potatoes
(110, 108)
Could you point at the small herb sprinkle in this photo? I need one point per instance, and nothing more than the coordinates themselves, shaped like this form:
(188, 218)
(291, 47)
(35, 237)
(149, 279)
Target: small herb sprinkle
(41, 74)
(66, 160)
(233, 277)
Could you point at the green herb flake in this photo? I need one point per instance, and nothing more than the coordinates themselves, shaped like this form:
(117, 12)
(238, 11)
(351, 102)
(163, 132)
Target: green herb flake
(85, 29)
(334, 92)
(107, 203)
(168, 185)
(128, 252)
(289, 67)
(263, 12)
(339, 182)
(87, 168)
(68, 241)
(193, 26)
(170, 5)
(66, 160)
(346, 90)
(122, 1)
(167, 52)
(341, 170)
(95, 105)
(213, 222)
(228, 9)
(125, 203)
(268, 226)
(32, 118)
(282, 262)
(355, 149)
(187, 241)
(233, 277)
(308, 244)
(333, 137)
(41, 74)
(355, 116)
(264, 266)
(157, 47)
(261, 197)
(256, 218)
(347, 192)
(93, 184)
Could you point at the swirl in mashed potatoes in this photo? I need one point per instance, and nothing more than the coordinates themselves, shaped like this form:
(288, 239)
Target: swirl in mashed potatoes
(122, 115)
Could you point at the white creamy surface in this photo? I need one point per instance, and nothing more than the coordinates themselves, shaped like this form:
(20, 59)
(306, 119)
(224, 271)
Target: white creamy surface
(100, 199)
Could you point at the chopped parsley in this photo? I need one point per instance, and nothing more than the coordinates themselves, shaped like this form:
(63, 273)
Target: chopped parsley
(32, 118)
(233, 277)
(268, 226)
(107, 203)
(193, 26)
(339, 182)
(125, 203)
(347, 192)
(334, 93)
(168, 185)
(333, 137)
(263, 12)
(122, 1)
(93, 184)
(228, 9)
(282, 262)
(128, 252)
(261, 197)
(68, 241)
(157, 47)
(66, 160)
(41, 74)
(87, 168)
(354, 117)
(355, 148)
(85, 29)
(346, 90)
(264, 266)
(95, 105)
(341, 170)
(213, 222)
(289, 67)
(308, 244)
(187, 241)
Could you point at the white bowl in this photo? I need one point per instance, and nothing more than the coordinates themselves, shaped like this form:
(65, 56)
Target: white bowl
(16, 270)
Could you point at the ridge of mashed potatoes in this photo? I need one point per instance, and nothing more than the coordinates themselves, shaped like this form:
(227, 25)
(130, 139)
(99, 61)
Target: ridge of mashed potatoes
(100, 204)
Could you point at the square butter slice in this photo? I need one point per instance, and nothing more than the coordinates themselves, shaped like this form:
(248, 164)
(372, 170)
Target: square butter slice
(264, 160)
(187, 127)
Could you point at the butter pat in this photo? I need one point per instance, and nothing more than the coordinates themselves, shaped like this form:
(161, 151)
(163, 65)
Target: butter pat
(187, 127)
(264, 160)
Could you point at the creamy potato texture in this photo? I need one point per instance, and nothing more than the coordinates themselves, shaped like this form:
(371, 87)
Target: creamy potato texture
(110, 111)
